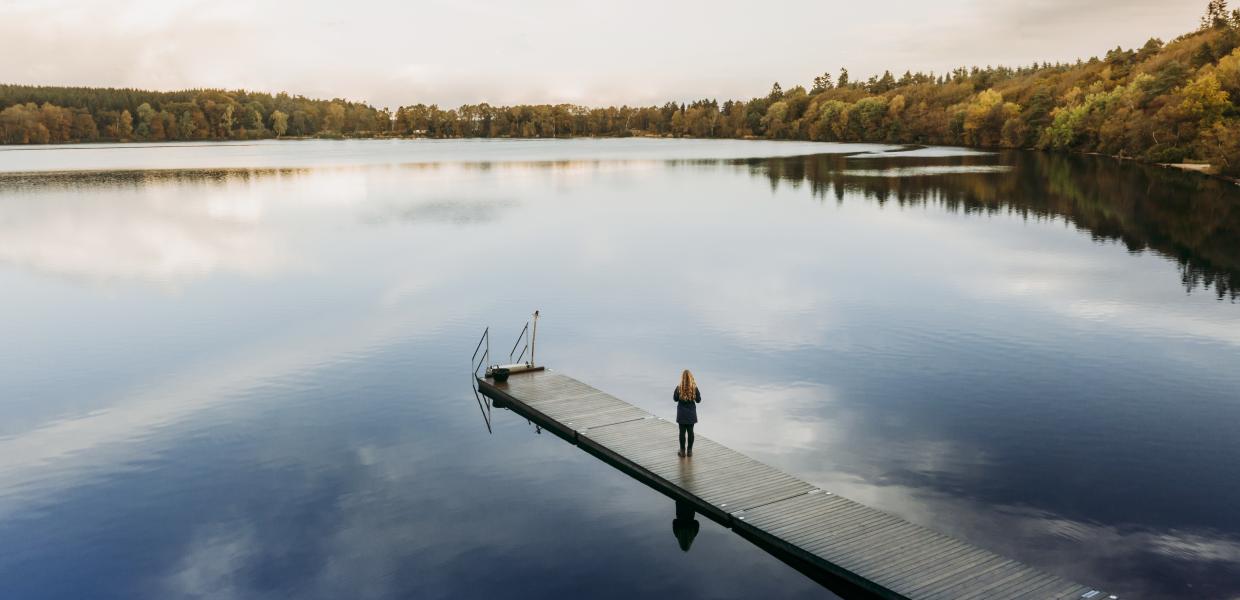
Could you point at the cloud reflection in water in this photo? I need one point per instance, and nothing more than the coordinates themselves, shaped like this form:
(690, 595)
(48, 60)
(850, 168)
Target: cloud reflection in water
(282, 389)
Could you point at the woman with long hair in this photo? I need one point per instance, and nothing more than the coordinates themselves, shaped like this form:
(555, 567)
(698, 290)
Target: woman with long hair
(687, 396)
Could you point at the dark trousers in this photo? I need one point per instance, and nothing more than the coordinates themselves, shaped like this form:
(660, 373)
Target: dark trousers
(686, 428)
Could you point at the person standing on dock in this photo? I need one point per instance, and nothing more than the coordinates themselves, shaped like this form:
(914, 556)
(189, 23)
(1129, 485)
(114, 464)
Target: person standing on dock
(687, 396)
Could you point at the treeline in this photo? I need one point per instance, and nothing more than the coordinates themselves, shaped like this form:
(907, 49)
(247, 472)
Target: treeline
(1172, 102)
(1144, 207)
(51, 115)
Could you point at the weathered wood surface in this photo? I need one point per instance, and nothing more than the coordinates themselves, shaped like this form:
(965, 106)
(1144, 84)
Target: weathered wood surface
(870, 549)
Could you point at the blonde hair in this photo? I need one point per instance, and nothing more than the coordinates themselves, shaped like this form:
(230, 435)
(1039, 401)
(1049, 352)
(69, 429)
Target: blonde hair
(687, 386)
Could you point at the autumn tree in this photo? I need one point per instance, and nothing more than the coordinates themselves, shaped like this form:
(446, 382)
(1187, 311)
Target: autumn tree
(775, 120)
(333, 121)
(1161, 102)
(124, 128)
(186, 126)
(146, 115)
(279, 123)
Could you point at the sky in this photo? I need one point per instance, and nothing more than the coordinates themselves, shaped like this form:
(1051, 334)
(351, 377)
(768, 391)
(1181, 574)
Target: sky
(392, 53)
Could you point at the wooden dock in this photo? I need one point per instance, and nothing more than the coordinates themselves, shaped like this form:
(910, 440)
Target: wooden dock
(874, 551)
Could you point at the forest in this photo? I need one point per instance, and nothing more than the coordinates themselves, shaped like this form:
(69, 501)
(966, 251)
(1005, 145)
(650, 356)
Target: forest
(1165, 102)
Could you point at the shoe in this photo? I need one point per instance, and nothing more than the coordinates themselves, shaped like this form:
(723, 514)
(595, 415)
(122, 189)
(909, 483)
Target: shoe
(680, 453)
(690, 453)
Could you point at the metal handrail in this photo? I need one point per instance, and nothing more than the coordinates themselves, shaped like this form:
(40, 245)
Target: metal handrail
(485, 407)
(474, 362)
(525, 333)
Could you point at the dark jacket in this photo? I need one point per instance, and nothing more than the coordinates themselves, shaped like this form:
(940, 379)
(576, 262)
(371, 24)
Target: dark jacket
(686, 412)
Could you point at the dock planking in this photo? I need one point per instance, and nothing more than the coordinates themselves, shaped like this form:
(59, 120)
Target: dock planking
(874, 551)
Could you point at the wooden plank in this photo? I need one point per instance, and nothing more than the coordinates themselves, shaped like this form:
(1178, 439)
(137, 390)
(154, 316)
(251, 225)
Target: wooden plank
(869, 548)
(832, 520)
(979, 582)
(841, 546)
(832, 534)
(568, 400)
(803, 519)
(936, 573)
(603, 412)
(738, 483)
(733, 481)
(745, 469)
(596, 421)
(586, 410)
(1062, 590)
(765, 497)
(1075, 591)
(926, 550)
(1032, 584)
(931, 575)
(935, 553)
(710, 464)
(1028, 583)
(805, 531)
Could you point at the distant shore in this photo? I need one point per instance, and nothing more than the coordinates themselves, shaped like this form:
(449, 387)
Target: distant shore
(1204, 169)
(1166, 103)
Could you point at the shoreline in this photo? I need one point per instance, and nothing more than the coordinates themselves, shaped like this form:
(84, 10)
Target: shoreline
(1204, 169)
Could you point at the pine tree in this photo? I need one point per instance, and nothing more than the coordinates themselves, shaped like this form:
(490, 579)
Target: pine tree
(821, 83)
(1217, 16)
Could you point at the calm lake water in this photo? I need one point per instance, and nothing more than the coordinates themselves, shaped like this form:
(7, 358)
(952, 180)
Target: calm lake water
(243, 372)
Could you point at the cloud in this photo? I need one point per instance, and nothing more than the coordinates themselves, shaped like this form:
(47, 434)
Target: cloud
(165, 243)
(210, 564)
(1020, 33)
(547, 51)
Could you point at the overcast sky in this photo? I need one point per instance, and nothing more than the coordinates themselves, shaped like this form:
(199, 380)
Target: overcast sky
(397, 52)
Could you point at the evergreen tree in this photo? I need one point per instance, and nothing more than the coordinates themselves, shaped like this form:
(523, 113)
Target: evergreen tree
(777, 92)
(822, 83)
(1217, 15)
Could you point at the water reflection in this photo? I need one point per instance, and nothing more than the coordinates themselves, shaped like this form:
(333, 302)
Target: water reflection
(1191, 219)
(685, 526)
(268, 363)
(128, 228)
(167, 230)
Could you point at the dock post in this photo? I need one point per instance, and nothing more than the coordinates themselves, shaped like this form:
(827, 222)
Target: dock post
(534, 339)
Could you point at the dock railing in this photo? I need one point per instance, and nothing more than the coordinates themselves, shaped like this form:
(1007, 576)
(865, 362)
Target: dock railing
(484, 346)
(523, 336)
(476, 363)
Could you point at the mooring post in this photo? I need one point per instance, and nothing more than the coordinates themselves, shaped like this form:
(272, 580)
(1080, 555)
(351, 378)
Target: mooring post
(534, 340)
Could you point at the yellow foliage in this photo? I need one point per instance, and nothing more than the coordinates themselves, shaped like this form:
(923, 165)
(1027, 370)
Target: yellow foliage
(1204, 99)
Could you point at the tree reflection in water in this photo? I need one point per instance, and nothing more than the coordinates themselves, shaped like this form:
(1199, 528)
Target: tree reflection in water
(1189, 218)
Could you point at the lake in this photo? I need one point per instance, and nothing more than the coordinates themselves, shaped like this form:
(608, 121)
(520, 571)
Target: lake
(241, 370)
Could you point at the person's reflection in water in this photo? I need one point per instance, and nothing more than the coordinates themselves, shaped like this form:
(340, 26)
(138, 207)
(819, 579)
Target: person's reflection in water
(685, 526)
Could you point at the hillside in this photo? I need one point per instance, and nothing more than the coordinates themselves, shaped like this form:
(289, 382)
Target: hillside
(1164, 102)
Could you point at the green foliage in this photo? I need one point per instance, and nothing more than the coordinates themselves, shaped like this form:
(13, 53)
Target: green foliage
(70, 114)
(775, 121)
(1163, 102)
(1204, 101)
(985, 117)
(279, 123)
(1216, 16)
